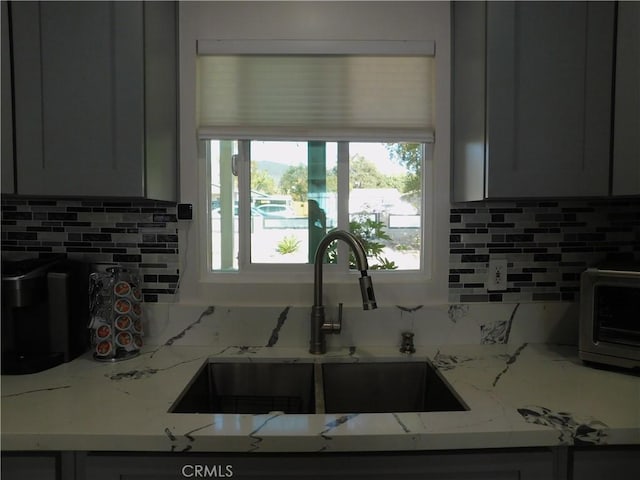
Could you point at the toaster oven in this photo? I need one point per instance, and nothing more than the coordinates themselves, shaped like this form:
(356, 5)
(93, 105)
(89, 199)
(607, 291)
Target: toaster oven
(610, 316)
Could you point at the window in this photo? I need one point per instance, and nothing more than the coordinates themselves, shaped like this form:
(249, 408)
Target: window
(298, 144)
(398, 31)
(273, 201)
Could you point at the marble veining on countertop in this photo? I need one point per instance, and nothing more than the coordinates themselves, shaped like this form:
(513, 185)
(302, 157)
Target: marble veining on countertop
(519, 395)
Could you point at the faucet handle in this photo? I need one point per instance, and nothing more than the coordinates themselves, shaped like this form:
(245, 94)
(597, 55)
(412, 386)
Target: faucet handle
(333, 326)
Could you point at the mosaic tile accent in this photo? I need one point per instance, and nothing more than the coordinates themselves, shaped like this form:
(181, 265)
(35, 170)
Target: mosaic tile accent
(547, 245)
(140, 235)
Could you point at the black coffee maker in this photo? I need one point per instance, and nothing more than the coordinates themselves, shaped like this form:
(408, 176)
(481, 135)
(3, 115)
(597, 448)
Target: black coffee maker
(45, 313)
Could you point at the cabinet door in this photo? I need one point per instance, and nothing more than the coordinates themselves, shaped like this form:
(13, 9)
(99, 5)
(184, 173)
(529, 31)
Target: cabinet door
(549, 81)
(469, 101)
(6, 140)
(78, 70)
(626, 124)
(619, 463)
(29, 466)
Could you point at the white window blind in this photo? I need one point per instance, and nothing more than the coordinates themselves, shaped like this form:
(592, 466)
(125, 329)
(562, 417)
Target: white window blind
(317, 96)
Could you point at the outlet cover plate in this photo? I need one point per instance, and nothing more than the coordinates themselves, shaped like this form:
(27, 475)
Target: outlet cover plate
(497, 275)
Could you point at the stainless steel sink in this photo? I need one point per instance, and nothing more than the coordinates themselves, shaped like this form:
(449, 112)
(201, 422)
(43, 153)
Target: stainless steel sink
(307, 388)
(386, 387)
(255, 388)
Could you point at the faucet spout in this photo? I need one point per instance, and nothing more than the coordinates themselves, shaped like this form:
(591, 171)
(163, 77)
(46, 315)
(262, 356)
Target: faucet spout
(318, 325)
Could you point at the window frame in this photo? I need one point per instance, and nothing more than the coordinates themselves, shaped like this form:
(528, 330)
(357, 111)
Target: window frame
(296, 273)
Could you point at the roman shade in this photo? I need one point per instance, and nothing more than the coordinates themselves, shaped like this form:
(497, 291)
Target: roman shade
(311, 95)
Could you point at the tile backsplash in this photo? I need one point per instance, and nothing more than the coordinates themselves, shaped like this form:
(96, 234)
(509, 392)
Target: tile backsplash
(546, 243)
(138, 234)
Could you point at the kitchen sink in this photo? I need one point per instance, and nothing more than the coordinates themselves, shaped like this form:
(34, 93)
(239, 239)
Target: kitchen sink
(234, 387)
(307, 388)
(375, 387)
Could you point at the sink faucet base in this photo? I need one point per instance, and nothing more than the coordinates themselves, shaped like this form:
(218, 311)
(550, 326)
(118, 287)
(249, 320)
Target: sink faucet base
(317, 343)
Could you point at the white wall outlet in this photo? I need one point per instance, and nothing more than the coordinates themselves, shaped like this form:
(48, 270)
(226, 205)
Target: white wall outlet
(497, 275)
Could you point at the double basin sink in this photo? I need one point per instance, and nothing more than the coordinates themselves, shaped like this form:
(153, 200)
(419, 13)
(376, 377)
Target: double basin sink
(310, 387)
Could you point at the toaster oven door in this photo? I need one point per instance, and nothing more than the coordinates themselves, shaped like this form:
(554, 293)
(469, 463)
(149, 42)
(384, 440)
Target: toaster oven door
(610, 317)
(616, 314)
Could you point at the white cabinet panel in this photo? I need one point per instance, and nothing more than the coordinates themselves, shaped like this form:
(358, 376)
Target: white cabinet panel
(532, 99)
(81, 97)
(6, 139)
(626, 124)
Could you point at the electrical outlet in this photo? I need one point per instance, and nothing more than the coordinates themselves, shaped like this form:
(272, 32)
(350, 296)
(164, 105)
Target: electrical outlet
(497, 275)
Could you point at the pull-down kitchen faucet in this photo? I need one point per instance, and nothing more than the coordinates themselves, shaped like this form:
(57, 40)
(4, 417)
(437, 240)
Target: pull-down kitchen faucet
(319, 326)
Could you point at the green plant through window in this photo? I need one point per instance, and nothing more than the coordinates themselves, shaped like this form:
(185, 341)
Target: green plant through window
(372, 234)
(288, 245)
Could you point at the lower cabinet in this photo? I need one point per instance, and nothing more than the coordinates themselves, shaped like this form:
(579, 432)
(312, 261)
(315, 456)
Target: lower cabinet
(562, 463)
(27, 466)
(518, 465)
(601, 462)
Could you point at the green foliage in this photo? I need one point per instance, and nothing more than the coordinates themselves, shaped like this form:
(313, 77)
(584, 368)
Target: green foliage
(410, 156)
(288, 244)
(364, 173)
(371, 234)
(294, 183)
(262, 181)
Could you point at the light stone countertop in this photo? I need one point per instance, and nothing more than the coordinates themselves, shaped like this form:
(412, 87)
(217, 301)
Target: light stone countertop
(526, 395)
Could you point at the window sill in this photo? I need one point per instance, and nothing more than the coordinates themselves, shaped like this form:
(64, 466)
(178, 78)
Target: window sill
(295, 290)
(307, 277)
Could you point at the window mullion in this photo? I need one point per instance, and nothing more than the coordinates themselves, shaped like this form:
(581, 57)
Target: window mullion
(427, 213)
(243, 168)
(343, 202)
(316, 192)
(226, 199)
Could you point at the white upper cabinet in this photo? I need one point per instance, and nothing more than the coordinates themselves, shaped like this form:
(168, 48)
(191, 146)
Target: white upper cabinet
(95, 98)
(626, 122)
(6, 141)
(532, 99)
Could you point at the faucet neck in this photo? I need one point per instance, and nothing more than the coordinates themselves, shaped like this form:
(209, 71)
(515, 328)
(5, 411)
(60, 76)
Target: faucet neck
(358, 251)
(319, 327)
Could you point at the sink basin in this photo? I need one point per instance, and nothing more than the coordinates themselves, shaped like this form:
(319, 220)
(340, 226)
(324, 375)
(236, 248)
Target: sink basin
(307, 388)
(386, 387)
(254, 388)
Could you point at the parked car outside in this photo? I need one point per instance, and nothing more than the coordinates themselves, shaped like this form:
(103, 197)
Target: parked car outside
(274, 211)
